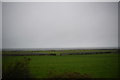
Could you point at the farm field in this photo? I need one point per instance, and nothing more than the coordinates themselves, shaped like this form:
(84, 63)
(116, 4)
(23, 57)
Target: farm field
(58, 52)
(67, 66)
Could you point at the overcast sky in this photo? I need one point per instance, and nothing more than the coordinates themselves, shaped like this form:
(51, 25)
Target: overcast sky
(0, 26)
(60, 24)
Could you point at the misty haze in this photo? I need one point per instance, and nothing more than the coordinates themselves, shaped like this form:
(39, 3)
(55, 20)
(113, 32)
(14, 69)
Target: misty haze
(60, 25)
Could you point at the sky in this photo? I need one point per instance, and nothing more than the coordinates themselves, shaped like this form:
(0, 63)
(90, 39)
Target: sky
(0, 26)
(59, 24)
(118, 26)
(60, 0)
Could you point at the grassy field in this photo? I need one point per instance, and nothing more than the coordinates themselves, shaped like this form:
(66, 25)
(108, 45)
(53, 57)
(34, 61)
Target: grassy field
(57, 52)
(93, 66)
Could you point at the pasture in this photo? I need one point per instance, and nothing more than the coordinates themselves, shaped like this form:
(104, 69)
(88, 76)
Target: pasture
(67, 66)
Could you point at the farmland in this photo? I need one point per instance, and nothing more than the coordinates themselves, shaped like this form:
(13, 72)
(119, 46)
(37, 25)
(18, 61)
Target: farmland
(66, 66)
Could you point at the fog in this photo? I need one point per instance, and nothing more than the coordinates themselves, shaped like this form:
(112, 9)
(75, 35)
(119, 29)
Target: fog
(59, 25)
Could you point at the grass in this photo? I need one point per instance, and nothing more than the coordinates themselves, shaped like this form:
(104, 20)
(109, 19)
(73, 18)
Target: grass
(58, 52)
(95, 65)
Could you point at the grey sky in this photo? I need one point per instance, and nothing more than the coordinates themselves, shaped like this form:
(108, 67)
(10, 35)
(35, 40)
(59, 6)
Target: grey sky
(0, 40)
(119, 25)
(0, 25)
(60, 24)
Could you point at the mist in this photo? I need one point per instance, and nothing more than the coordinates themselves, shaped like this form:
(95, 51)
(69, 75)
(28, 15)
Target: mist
(59, 25)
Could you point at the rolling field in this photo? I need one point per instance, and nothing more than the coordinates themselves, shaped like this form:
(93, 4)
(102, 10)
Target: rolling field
(68, 66)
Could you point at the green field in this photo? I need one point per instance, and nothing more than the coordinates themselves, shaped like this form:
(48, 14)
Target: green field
(94, 65)
(59, 51)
